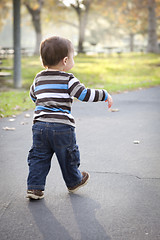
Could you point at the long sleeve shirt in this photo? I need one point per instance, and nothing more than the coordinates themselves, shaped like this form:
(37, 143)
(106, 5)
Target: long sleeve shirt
(53, 93)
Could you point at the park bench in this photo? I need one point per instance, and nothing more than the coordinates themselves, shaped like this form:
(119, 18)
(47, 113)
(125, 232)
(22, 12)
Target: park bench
(6, 68)
(5, 74)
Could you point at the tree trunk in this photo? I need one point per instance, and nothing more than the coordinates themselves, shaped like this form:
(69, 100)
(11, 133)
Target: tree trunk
(36, 20)
(83, 18)
(131, 42)
(81, 39)
(152, 46)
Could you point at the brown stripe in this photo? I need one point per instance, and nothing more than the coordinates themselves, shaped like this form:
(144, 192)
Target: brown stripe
(96, 98)
(32, 95)
(87, 95)
(56, 116)
(32, 88)
(72, 87)
(70, 100)
(71, 76)
(78, 93)
(103, 95)
(43, 82)
(52, 73)
(52, 91)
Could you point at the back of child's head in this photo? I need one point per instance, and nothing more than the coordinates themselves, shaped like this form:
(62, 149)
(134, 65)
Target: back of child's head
(54, 49)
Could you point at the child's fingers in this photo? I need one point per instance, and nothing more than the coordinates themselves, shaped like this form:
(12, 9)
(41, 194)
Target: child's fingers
(109, 100)
(109, 104)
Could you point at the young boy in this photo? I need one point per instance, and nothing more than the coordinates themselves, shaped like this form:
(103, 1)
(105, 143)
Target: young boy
(53, 91)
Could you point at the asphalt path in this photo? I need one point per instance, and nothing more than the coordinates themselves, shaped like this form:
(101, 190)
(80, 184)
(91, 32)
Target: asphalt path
(120, 150)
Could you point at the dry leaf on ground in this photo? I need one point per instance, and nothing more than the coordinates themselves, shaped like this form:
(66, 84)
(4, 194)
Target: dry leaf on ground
(9, 128)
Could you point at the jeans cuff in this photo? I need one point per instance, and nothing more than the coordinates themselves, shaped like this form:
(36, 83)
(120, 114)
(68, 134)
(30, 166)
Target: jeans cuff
(36, 187)
(74, 184)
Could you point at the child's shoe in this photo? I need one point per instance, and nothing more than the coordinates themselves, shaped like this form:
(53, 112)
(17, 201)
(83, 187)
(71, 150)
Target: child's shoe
(81, 184)
(35, 194)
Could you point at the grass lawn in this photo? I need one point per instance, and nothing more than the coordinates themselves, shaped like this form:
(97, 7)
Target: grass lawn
(112, 72)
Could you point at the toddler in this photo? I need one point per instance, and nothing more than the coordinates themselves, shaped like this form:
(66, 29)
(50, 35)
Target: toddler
(53, 128)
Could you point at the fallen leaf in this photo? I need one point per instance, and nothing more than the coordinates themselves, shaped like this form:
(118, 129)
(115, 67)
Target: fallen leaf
(136, 142)
(113, 110)
(11, 120)
(9, 128)
(27, 115)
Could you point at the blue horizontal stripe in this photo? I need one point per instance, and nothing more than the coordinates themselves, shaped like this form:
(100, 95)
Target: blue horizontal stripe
(51, 86)
(51, 109)
(83, 94)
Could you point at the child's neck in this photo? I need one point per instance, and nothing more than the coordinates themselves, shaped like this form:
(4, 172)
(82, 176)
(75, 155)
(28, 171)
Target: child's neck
(57, 67)
(53, 69)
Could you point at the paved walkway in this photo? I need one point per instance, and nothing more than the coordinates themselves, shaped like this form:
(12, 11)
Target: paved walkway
(122, 198)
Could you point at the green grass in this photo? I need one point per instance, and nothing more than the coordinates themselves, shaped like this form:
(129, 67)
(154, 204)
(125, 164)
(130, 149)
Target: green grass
(111, 72)
(14, 102)
(115, 74)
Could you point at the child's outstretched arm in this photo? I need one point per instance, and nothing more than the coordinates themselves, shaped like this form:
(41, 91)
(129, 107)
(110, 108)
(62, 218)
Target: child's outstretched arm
(78, 90)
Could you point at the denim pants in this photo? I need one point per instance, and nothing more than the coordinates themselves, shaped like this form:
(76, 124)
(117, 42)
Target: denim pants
(50, 138)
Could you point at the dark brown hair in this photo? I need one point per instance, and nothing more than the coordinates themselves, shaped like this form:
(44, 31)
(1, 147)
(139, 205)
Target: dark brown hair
(54, 49)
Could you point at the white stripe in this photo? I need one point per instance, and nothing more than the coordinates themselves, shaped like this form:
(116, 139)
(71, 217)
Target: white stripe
(51, 77)
(92, 95)
(72, 81)
(52, 95)
(100, 95)
(59, 113)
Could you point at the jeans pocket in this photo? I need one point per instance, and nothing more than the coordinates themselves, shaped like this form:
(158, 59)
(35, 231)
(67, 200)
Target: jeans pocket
(30, 156)
(73, 156)
(63, 139)
(37, 138)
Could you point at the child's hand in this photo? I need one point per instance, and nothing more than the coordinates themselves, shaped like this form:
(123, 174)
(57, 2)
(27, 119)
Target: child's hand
(109, 100)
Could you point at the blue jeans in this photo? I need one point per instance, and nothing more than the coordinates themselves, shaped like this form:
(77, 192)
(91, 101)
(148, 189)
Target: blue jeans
(50, 138)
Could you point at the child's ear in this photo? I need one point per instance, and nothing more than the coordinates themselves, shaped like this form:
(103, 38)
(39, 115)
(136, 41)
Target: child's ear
(65, 60)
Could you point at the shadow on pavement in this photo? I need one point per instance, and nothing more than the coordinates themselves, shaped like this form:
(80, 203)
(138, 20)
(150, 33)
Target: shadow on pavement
(85, 210)
(48, 225)
(83, 216)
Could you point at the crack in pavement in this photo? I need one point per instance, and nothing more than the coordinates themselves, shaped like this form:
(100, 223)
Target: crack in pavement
(4, 208)
(125, 174)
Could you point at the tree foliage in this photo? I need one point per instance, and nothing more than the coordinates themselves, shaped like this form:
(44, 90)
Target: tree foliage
(98, 17)
(134, 17)
(5, 7)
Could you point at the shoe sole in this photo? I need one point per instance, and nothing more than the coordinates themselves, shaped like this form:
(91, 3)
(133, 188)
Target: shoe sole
(33, 196)
(72, 191)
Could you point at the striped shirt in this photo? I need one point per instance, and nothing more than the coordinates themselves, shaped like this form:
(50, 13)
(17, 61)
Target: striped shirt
(53, 93)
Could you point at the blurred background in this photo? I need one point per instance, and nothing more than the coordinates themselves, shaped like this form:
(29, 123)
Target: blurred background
(117, 44)
(92, 26)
